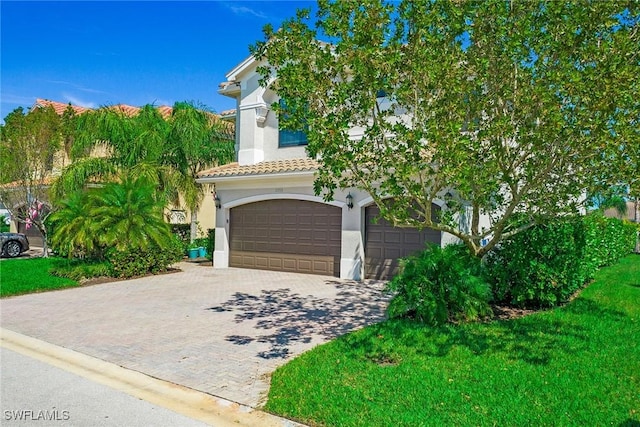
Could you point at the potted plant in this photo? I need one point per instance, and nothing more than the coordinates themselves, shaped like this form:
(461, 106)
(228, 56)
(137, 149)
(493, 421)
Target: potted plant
(193, 250)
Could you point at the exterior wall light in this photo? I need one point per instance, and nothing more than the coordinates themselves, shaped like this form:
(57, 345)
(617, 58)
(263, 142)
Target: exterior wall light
(349, 201)
(216, 199)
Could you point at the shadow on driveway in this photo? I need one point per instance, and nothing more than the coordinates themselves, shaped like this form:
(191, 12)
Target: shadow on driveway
(285, 317)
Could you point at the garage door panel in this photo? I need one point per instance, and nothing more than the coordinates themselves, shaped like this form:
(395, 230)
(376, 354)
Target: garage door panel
(297, 236)
(412, 239)
(385, 244)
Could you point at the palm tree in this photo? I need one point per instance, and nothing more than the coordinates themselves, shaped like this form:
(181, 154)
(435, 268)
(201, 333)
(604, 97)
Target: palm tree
(197, 140)
(109, 143)
(127, 215)
(73, 231)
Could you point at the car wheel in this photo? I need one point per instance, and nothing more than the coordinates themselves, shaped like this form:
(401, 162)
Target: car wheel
(12, 248)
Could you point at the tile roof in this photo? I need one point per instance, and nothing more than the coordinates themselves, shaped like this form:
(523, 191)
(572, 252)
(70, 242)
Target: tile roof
(262, 168)
(47, 180)
(60, 107)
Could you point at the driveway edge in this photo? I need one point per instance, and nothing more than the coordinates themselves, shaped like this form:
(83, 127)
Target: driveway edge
(183, 400)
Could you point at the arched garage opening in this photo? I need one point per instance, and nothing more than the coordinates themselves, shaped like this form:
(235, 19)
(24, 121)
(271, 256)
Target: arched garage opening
(286, 235)
(386, 244)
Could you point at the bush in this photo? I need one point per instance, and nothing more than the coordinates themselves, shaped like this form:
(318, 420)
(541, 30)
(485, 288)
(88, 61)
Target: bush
(137, 262)
(183, 233)
(77, 269)
(4, 225)
(546, 264)
(608, 239)
(440, 285)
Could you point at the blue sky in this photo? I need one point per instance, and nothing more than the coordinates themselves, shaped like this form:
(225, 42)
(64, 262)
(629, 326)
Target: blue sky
(102, 53)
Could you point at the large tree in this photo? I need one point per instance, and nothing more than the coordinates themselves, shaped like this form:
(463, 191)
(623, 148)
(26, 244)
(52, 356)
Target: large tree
(494, 107)
(197, 140)
(29, 144)
(168, 152)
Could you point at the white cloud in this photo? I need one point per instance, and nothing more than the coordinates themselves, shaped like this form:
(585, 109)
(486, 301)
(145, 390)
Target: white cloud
(75, 86)
(243, 10)
(79, 102)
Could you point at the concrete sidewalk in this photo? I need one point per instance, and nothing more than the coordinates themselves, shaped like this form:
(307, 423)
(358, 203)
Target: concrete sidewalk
(221, 332)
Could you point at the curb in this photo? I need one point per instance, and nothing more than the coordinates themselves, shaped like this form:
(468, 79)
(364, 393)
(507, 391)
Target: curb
(183, 400)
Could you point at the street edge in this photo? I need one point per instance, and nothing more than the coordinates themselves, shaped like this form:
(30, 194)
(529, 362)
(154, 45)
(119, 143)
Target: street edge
(197, 405)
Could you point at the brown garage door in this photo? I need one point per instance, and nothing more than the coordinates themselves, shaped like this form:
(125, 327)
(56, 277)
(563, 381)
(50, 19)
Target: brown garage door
(286, 235)
(385, 244)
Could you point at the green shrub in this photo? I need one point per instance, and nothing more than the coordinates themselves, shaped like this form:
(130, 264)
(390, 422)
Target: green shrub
(440, 285)
(137, 262)
(183, 233)
(546, 264)
(608, 239)
(211, 234)
(4, 227)
(78, 269)
(540, 267)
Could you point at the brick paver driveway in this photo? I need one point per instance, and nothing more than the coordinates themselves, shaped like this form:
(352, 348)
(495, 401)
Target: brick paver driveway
(218, 331)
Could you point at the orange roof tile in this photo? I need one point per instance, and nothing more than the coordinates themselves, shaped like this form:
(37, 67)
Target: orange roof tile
(59, 107)
(262, 168)
(47, 180)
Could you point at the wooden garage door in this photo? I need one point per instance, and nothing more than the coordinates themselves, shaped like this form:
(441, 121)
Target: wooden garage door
(385, 244)
(286, 235)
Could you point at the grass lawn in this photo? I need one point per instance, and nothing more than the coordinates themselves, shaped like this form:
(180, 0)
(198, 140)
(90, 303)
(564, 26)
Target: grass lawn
(24, 276)
(577, 365)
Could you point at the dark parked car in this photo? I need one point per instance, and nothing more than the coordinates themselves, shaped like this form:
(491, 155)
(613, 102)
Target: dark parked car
(13, 244)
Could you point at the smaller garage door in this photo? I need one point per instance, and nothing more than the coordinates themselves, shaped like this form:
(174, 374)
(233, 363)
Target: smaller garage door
(386, 244)
(286, 235)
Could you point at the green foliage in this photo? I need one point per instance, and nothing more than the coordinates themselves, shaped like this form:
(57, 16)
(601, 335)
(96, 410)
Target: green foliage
(503, 104)
(74, 232)
(542, 266)
(167, 152)
(118, 220)
(182, 232)
(128, 215)
(80, 269)
(211, 245)
(546, 264)
(131, 261)
(29, 144)
(608, 239)
(575, 365)
(4, 227)
(440, 285)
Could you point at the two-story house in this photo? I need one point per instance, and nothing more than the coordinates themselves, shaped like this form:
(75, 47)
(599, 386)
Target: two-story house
(269, 216)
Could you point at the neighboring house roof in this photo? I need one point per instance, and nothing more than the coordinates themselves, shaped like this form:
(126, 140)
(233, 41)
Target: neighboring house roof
(262, 168)
(48, 180)
(60, 107)
(228, 114)
(631, 214)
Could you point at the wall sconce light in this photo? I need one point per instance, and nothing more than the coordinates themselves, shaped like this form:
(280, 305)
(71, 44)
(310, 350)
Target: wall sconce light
(216, 199)
(349, 201)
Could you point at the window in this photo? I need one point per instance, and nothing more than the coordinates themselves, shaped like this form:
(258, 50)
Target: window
(288, 138)
(291, 138)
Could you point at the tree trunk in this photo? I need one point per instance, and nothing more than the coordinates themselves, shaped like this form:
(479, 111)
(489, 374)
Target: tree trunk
(194, 225)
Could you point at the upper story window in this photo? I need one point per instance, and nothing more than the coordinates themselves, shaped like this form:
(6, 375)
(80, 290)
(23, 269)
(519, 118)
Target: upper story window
(291, 138)
(288, 138)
